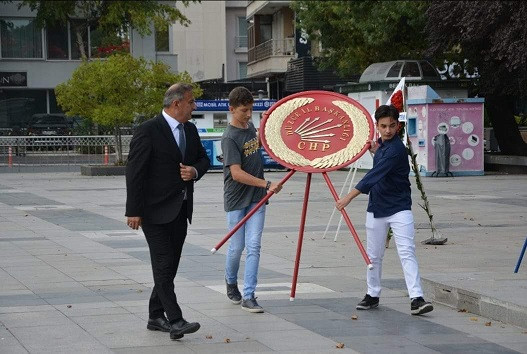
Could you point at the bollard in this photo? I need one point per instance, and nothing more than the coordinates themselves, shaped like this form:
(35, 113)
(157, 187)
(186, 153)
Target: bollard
(106, 156)
(10, 157)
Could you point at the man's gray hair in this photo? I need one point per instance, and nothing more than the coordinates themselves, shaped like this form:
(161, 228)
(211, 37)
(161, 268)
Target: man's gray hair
(176, 92)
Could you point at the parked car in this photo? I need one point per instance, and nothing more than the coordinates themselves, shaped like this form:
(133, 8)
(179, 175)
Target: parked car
(49, 124)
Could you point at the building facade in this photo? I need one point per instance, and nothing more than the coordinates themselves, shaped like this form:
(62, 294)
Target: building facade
(33, 60)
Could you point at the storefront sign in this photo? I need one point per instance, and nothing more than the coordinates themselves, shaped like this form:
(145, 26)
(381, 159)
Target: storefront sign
(223, 105)
(10, 79)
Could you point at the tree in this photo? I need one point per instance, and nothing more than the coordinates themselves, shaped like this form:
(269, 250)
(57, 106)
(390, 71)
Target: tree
(492, 36)
(115, 90)
(109, 16)
(354, 34)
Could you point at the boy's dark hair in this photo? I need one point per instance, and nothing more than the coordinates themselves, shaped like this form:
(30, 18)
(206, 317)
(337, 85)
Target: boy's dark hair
(386, 111)
(240, 96)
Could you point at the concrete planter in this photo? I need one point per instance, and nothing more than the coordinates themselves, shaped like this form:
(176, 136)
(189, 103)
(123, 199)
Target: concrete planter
(103, 170)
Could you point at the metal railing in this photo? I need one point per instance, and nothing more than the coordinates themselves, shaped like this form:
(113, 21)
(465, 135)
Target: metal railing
(60, 150)
(273, 47)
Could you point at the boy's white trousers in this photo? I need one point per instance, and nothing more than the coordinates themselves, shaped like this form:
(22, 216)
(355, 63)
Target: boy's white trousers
(402, 224)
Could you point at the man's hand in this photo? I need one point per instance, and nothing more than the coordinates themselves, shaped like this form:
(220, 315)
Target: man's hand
(275, 187)
(134, 222)
(187, 172)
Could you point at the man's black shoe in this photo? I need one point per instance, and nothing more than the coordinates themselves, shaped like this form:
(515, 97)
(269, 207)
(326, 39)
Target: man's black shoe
(158, 324)
(420, 306)
(369, 302)
(233, 293)
(181, 327)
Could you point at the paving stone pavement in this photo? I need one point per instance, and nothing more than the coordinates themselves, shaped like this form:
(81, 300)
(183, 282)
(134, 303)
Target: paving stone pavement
(73, 278)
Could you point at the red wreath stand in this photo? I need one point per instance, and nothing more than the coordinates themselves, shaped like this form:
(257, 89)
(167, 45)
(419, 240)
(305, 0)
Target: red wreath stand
(314, 123)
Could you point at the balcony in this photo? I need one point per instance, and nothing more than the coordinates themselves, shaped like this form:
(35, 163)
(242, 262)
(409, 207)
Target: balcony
(265, 7)
(273, 47)
(270, 57)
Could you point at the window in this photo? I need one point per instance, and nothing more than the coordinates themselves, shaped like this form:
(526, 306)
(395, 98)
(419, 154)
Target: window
(411, 69)
(242, 70)
(57, 42)
(219, 120)
(53, 105)
(162, 40)
(20, 38)
(103, 45)
(266, 28)
(78, 29)
(18, 106)
(428, 70)
(395, 69)
(242, 33)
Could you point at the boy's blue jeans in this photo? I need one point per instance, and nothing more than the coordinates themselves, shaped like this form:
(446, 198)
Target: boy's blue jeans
(249, 236)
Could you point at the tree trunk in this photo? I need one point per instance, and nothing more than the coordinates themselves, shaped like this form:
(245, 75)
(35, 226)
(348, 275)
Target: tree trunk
(118, 145)
(79, 30)
(501, 114)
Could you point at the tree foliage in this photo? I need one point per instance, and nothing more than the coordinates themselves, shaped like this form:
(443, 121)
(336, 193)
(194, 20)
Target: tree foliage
(113, 91)
(354, 34)
(492, 35)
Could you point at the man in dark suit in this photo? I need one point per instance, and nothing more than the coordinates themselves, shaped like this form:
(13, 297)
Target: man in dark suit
(166, 158)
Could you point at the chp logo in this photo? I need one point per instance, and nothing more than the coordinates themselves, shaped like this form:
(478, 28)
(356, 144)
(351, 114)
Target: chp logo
(316, 131)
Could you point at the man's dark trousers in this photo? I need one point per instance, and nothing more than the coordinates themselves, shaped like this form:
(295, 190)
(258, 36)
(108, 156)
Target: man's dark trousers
(165, 242)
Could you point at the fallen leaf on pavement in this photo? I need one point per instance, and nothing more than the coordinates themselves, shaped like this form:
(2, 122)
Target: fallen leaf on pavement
(227, 340)
(488, 324)
(462, 310)
(340, 345)
(473, 318)
(208, 337)
(354, 317)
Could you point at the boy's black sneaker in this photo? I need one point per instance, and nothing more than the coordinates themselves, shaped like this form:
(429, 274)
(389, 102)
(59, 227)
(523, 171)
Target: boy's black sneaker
(369, 302)
(233, 293)
(252, 306)
(420, 306)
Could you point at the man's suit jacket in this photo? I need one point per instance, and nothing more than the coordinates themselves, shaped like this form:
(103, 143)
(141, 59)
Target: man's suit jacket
(155, 190)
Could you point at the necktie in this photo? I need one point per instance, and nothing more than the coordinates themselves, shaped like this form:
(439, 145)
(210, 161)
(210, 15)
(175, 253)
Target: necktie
(182, 140)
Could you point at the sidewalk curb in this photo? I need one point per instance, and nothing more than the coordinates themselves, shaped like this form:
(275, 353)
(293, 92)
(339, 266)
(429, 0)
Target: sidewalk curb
(478, 304)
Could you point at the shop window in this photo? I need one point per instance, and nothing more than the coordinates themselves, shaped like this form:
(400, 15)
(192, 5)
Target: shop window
(53, 106)
(20, 38)
(220, 120)
(18, 106)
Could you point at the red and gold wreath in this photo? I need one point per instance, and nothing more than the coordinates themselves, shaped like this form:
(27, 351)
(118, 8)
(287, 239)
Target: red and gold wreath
(316, 131)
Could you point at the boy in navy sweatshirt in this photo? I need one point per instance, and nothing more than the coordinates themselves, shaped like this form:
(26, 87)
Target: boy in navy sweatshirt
(389, 206)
